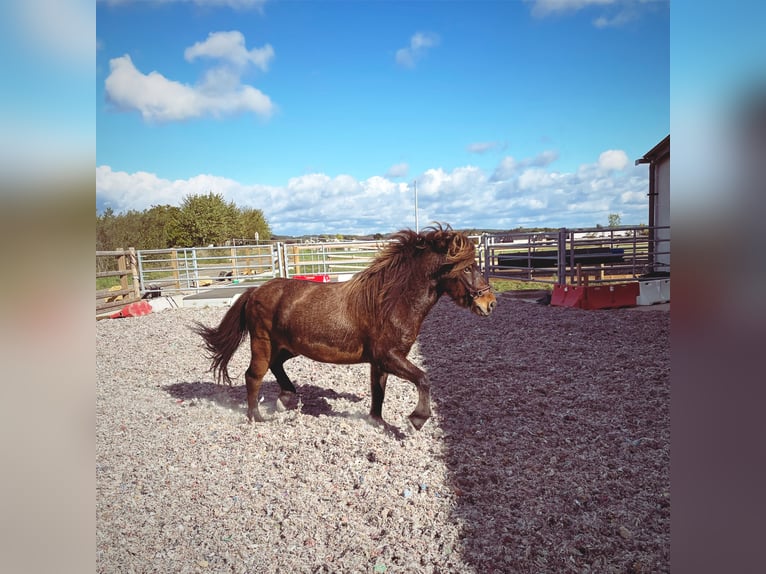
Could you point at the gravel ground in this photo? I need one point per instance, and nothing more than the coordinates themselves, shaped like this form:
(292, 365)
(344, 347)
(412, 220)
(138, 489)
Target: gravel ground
(549, 451)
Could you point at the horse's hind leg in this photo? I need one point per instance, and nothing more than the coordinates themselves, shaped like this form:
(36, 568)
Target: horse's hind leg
(378, 378)
(287, 391)
(259, 364)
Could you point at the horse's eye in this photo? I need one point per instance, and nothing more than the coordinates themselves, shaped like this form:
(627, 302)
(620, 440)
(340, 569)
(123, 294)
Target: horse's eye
(467, 270)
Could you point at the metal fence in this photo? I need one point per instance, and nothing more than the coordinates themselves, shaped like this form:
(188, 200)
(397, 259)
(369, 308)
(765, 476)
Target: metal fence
(575, 256)
(194, 269)
(556, 257)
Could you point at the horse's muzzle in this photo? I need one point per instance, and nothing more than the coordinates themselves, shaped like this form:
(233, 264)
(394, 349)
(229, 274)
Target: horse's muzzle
(484, 304)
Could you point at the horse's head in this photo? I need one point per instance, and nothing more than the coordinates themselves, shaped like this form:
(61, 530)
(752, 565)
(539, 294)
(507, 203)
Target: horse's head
(467, 287)
(460, 276)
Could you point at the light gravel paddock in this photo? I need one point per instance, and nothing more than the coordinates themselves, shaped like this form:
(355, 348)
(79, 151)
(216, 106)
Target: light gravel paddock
(549, 451)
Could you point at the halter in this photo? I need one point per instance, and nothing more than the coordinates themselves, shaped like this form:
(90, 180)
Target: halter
(475, 293)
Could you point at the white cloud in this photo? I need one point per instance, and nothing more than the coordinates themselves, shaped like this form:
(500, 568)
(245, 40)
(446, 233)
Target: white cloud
(542, 8)
(519, 192)
(230, 47)
(140, 190)
(420, 43)
(220, 93)
(482, 147)
(398, 170)
(633, 197)
(534, 178)
(613, 12)
(613, 159)
(505, 169)
(544, 158)
(508, 165)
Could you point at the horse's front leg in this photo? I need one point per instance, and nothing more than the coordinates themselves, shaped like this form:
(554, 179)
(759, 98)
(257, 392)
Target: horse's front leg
(287, 395)
(378, 378)
(397, 364)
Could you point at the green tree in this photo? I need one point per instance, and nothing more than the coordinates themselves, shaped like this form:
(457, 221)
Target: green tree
(201, 220)
(155, 227)
(614, 220)
(204, 220)
(104, 230)
(252, 221)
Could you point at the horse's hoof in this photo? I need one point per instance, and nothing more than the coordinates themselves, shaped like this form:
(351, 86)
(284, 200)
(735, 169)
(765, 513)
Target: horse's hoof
(377, 421)
(255, 417)
(418, 421)
(287, 401)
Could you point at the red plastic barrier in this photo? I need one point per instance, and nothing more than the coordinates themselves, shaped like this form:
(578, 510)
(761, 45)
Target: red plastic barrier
(567, 296)
(133, 310)
(318, 278)
(595, 296)
(599, 297)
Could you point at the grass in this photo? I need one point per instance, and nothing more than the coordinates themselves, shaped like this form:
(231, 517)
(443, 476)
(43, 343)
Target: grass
(500, 285)
(106, 282)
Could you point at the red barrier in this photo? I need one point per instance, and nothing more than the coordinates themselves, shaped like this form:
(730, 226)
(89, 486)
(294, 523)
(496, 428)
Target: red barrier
(599, 297)
(595, 296)
(318, 278)
(567, 296)
(133, 310)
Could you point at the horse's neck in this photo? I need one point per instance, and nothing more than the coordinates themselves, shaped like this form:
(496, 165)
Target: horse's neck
(421, 299)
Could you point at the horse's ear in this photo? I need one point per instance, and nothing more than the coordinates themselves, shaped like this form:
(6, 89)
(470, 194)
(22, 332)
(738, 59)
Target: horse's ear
(456, 246)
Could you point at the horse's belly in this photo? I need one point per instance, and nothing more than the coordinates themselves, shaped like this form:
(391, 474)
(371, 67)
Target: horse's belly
(333, 355)
(324, 345)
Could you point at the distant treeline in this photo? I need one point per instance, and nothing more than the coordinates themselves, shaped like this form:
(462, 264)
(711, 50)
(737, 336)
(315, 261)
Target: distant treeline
(201, 220)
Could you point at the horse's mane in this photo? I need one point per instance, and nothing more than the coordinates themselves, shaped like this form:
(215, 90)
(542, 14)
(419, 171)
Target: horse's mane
(409, 256)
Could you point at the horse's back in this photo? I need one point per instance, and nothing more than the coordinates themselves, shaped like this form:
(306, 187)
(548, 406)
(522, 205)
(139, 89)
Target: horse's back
(311, 319)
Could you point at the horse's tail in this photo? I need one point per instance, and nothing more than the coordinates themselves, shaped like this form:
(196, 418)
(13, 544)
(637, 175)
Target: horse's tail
(222, 341)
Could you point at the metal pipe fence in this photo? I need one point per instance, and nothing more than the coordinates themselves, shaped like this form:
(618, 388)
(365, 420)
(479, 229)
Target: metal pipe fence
(193, 269)
(595, 255)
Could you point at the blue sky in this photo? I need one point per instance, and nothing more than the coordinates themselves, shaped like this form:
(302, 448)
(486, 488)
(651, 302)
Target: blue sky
(324, 113)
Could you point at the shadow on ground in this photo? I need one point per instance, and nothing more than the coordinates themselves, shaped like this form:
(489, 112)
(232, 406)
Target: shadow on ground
(311, 399)
(557, 435)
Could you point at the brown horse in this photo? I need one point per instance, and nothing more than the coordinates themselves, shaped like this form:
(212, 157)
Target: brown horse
(373, 318)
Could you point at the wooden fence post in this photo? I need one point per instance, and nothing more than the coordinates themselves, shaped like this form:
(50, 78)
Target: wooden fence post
(174, 266)
(121, 266)
(296, 259)
(134, 272)
(235, 272)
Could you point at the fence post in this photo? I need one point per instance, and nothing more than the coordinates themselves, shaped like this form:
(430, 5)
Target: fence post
(296, 259)
(234, 274)
(281, 259)
(562, 256)
(122, 266)
(174, 267)
(134, 272)
(485, 248)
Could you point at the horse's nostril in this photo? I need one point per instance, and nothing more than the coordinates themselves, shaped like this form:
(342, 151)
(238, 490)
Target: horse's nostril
(492, 305)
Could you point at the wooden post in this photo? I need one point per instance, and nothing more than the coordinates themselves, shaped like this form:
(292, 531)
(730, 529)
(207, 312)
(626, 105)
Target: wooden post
(296, 259)
(134, 272)
(234, 273)
(174, 266)
(122, 267)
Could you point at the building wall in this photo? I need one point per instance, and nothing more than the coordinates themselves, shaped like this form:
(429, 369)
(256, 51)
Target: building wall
(662, 211)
